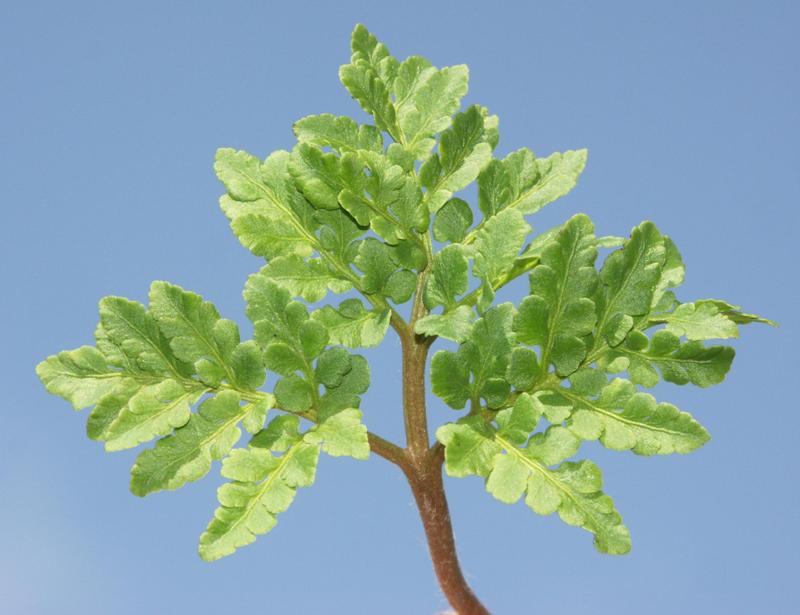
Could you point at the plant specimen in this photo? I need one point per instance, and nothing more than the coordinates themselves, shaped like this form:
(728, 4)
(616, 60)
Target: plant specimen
(370, 210)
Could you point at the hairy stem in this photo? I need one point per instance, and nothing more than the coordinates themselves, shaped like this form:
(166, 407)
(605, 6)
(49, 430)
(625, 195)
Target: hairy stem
(422, 463)
(416, 420)
(426, 483)
(423, 469)
(388, 450)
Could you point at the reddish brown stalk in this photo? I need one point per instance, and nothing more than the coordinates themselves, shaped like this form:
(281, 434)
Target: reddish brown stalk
(422, 466)
(428, 489)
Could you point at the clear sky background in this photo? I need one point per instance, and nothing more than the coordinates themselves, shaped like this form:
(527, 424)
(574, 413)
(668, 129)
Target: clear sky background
(110, 114)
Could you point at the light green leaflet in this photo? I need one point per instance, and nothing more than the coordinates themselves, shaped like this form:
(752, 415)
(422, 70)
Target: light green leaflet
(340, 133)
(526, 183)
(264, 484)
(559, 312)
(513, 466)
(676, 361)
(352, 325)
(375, 211)
(477, 370)
(624, 419)
(464, 149)
(581, 325)
(151, 365)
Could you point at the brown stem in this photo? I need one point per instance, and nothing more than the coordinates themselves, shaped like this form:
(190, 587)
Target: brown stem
(388, 450)
(426, 484)
(415, 416)
(423, 469)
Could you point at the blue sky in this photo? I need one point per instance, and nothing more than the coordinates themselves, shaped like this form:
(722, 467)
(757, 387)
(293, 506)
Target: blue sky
(109, 118)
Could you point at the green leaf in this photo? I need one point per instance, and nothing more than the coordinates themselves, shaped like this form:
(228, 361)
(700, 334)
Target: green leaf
(706, 319)
(382, 274)
(516, 423)
(672, 274)
(412, 74)
(554, 407)
(388, 199)
(81, 376)
(267, 213)
(497, 245)
(410, 255)
(734, 313)
(290, 340)
(352, 325)
(270, 308)
(242, 174)
(469, 447)
(533, 251)
(321, 176)
(484, 355)
(679, 363)
(385, 198)
(554, 177)
(371, 93)
(700, 321)
(449, 277)
(332, 364)
(623, 419)
(153, 411)
(368, 78)
(523, 368)
(141, 389)
(610, 241)
(294, 393)
(342, 434)
(346, 394)
(109, 407)
(629, 279)
(554, 445)
(186, 456)
(573, 489)
(507, 479)
(264, 485)
(396, 193)
(199, 336)
(428, 102)
(256, 414)
(450, 378)
(282, 433)
(264, 300)
(486, 297)
(248, 366)
(367, 49)
(491, 132)
(310, 279)
(494, 188)
(136, 334)
(337, 235)
(454, 325)
(396, 154)
(524, 182)
(452, 221)
(492, 334)
(558, 314)
(463, 152)
(263, 232)
(340, 133)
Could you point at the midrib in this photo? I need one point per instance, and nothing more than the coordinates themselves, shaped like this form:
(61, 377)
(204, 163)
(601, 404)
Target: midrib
(617, 417)
(537, 467)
